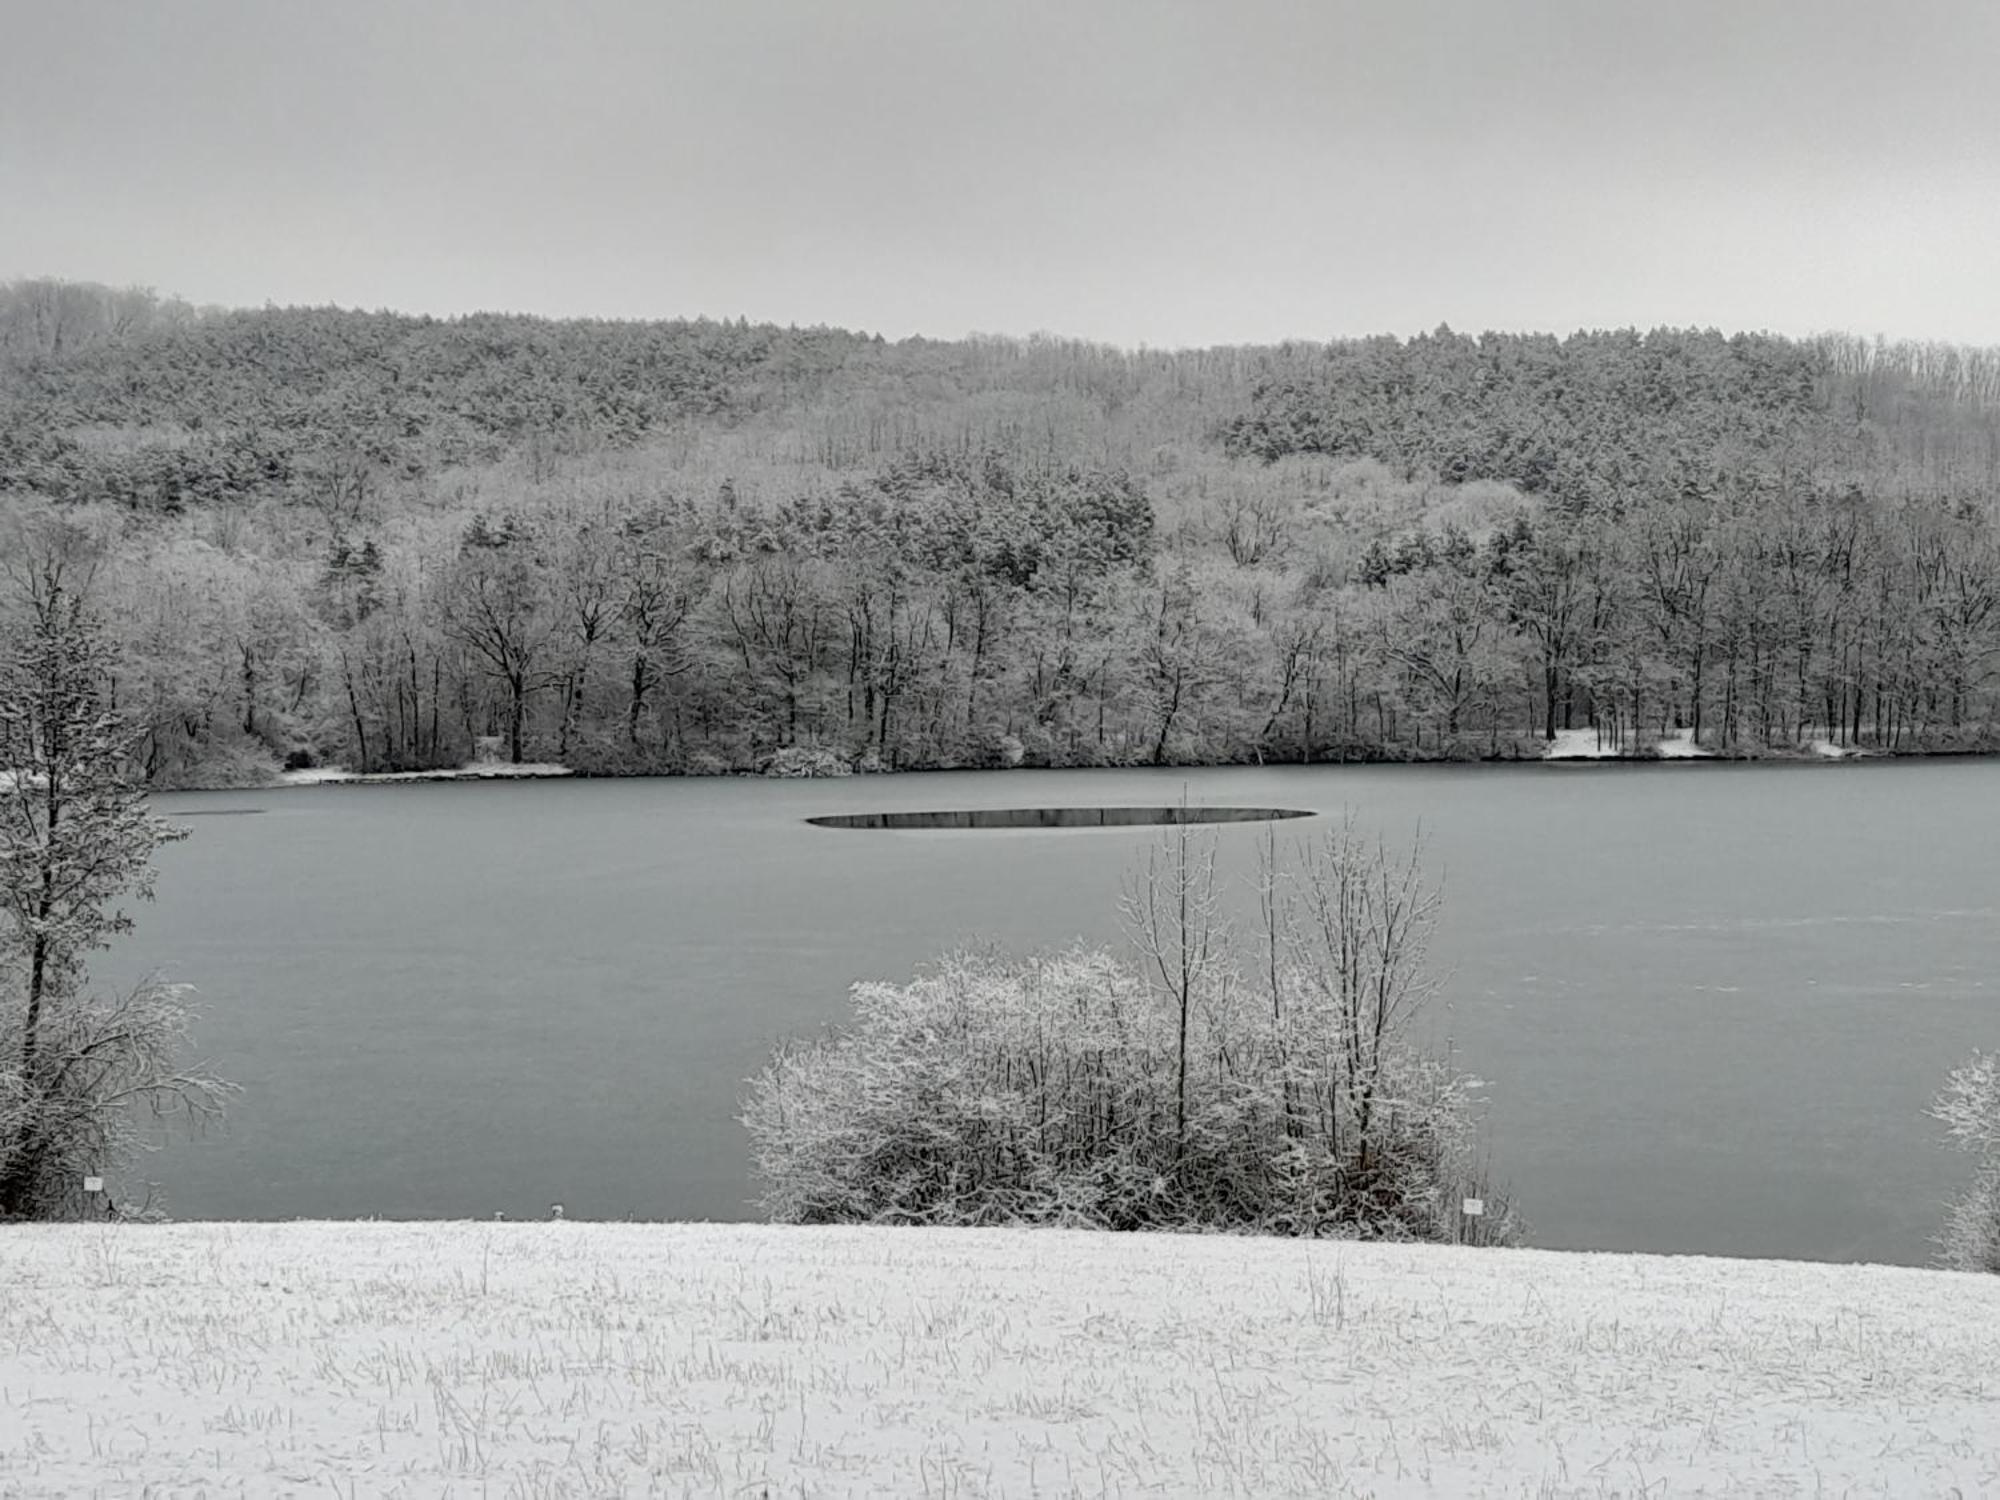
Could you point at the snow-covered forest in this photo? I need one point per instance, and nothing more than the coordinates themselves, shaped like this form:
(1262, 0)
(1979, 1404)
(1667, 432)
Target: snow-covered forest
(373, 540)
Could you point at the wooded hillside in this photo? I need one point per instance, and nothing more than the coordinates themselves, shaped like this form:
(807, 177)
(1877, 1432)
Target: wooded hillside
(372, 539)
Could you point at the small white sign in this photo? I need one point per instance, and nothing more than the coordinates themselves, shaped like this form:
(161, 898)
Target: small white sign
(1474, 1207)
(93, 1184)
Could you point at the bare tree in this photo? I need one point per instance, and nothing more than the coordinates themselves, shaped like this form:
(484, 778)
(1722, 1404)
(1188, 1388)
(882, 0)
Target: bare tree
(496, 607)
(776, 610)
(1174, 915)
(586, 604)
(1361, 952)
(655, 593)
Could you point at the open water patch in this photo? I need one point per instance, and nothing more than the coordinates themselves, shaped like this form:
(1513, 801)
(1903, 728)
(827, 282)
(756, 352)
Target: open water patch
(214, 812)
(1058, 817)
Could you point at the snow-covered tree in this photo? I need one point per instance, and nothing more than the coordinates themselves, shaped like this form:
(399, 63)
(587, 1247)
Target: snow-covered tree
(1969, 1108)
(75, 836)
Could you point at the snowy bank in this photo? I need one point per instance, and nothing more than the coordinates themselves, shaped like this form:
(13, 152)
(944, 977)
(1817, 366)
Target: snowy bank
(1680, 745)
(586, 1359)
(478, 771)
(1591, 744)
(1582, 744)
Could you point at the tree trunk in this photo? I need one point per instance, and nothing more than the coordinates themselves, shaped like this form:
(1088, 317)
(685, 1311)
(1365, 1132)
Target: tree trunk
(639, 687)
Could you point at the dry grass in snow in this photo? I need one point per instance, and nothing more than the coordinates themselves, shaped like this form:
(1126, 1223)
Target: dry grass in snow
(589, 1360)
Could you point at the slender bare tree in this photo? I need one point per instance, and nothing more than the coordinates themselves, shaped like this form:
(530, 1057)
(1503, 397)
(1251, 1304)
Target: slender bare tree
(1174, 914)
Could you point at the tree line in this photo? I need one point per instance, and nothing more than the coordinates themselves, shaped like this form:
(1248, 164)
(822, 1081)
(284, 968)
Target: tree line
(392, 543)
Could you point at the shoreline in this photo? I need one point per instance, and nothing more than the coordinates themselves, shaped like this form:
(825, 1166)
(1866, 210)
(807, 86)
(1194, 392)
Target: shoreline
(334, 776)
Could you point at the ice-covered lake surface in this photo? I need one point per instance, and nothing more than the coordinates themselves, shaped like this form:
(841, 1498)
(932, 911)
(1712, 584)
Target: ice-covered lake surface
(1712, 1001)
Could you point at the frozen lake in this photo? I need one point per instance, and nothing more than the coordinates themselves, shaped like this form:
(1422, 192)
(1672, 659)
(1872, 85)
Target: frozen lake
(1713, 1001)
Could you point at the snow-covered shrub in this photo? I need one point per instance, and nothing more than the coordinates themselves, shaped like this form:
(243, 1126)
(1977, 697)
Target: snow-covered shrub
(807, 761)
(227, 760)
(1039, 747)
(1075, 1089)
(1969, 1108)
(1043, 1091)
(116, 1069)
(1970, 1240)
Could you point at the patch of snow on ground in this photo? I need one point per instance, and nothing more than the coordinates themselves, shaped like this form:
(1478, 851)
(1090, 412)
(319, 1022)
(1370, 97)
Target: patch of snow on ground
(1580, 744)
(477, 771)
(316, 776)
(1680, 745)
(1830, 751)
(572, 1360)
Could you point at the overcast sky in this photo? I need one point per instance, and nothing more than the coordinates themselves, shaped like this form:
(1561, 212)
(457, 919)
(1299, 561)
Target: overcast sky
(1138, 171)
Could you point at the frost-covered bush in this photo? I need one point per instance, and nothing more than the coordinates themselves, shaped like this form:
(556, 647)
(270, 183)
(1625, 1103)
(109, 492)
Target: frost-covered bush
(1969, 1108)
(1042, 1091)
(807, 760)
(1970, 1240)
(114, 1073)
(227, 760)
(1065, 1089)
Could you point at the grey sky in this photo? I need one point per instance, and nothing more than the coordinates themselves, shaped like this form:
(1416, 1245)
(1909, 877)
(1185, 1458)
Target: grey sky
(1154, 171)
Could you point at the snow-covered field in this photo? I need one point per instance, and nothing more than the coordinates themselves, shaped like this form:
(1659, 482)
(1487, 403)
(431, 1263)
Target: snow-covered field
(372, 1359)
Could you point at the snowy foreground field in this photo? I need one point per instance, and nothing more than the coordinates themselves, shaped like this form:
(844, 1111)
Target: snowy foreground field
(591, 1360)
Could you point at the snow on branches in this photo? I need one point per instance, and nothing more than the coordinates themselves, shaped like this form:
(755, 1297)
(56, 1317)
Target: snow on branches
(1266, 1087)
